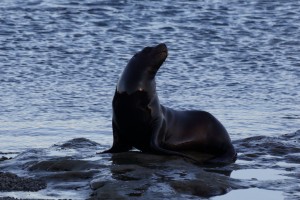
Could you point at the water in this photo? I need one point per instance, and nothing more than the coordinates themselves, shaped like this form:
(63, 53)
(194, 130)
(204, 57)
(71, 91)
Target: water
(60, 61)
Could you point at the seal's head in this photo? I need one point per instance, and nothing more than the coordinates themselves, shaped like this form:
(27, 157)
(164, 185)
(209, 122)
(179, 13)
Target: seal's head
(150, 58)
(140, 71)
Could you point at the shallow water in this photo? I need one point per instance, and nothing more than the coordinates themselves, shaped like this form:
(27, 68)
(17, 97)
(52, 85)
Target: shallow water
(60, 60)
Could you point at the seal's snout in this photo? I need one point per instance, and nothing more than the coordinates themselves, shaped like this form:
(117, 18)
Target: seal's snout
(161, 50)
(162, 47)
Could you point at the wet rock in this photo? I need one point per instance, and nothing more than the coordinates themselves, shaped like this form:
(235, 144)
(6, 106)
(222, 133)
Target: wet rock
(62, 164)
(117, 190)
(134, 174)
(11, 182)
(97, 183)
(3, 158)
(199, 188)
(74, 169)
(70, 176)
(78, 143)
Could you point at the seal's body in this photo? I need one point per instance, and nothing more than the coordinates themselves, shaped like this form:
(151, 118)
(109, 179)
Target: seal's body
(140, 121)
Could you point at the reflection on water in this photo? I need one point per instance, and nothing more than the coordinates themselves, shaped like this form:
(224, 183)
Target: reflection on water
(253, 193)
(259, 174)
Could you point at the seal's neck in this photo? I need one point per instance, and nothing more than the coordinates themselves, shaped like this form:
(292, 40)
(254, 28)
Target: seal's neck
(136, 79)
(135, 85)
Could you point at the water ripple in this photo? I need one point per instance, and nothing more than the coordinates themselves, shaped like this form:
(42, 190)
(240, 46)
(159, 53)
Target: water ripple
(236, 59)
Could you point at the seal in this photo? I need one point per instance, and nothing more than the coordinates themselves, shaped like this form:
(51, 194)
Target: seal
(140, 121)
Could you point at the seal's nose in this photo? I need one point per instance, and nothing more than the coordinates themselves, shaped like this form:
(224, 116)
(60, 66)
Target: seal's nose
(161, 47)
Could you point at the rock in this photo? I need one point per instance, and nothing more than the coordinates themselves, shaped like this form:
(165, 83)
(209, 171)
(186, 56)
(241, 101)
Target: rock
(11, 182)
(3, 158)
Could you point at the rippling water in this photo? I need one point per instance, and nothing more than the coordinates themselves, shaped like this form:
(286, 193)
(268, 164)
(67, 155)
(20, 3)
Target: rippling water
(60, 60)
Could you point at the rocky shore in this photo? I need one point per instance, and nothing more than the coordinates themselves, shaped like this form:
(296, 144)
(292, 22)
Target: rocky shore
(73, 170)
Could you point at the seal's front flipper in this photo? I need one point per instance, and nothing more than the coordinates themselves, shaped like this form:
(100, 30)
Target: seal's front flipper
(117, 148)
(119, 144)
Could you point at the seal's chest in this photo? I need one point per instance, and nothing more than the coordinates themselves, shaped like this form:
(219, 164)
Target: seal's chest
(133, 117)
(132, 108)
(135, 126)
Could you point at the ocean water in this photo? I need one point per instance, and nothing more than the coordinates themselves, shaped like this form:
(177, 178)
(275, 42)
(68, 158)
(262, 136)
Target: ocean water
(60, 61)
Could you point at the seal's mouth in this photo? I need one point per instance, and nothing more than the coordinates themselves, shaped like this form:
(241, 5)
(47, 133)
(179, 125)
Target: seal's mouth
(158, 56)
(161, 49)
(164, 53)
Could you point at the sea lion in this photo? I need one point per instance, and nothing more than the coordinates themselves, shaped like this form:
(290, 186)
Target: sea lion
(140, 121)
